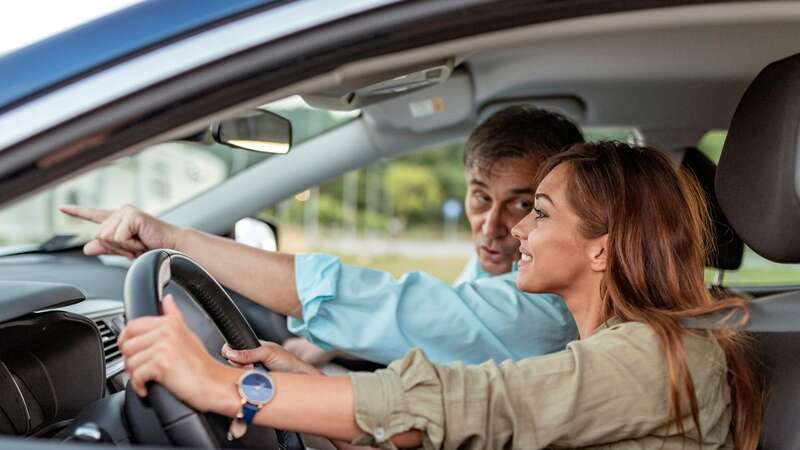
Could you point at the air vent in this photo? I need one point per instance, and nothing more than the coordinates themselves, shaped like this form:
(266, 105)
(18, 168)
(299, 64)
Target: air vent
(109, 338)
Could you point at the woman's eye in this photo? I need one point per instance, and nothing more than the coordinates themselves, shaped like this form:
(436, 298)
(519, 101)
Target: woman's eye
(539, 214)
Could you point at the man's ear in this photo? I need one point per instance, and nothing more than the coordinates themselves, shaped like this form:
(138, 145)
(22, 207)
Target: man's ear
(598, 253)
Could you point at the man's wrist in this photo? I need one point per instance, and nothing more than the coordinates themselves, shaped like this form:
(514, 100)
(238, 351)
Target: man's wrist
(180, 238)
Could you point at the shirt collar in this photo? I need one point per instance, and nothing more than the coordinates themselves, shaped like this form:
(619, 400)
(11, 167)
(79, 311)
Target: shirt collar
(607, 324)
(473, 270)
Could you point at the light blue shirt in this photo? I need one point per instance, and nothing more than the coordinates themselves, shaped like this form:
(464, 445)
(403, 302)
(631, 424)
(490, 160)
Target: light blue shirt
(372, 315)
(473, 271)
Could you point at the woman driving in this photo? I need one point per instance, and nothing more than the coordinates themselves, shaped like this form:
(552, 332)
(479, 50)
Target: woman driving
(619, 234)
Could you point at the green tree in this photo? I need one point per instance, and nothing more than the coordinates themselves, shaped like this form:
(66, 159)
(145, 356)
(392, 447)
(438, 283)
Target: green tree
(414, 190)
(330, 209)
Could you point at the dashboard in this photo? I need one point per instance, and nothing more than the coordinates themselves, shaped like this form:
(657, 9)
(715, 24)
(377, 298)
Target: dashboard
(60, 365)
(100, 285)
(109, 319)
(50, 369)
(58, 354)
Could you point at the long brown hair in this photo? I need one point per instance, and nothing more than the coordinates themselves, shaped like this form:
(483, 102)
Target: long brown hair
(657, 224)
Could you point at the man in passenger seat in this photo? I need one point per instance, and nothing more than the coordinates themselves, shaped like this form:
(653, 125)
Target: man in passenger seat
(370, 314)
(501, 157)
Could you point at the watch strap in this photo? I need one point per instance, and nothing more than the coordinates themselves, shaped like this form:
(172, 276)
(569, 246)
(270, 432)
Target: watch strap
(249, 411)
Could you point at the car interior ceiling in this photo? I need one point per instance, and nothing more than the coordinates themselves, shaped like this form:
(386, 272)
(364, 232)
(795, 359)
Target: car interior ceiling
(678, 98)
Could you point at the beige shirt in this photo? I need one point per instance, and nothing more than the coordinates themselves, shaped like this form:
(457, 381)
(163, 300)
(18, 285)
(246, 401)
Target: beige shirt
(608, 391)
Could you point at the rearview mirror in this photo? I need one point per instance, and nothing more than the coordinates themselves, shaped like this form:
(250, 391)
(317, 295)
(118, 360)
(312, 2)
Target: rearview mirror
(259, 130)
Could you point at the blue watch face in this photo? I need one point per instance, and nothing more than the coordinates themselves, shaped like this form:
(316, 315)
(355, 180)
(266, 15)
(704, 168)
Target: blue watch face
(256, 388)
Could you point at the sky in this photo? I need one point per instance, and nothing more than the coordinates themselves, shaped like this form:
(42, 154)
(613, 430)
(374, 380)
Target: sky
(27, 21)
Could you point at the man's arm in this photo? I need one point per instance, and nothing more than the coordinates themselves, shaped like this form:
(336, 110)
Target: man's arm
(262, 276)
(265, 277)
(372, 315)
(365, 313)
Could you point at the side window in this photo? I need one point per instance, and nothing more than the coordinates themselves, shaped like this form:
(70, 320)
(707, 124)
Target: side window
(389, 215)
(754, 270)
(155, 180)
(396, 215)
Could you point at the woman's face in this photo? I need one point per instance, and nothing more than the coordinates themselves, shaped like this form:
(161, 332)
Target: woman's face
(555, 256)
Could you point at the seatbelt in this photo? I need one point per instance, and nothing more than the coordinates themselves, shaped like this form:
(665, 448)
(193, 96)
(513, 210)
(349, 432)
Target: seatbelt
(773, 314)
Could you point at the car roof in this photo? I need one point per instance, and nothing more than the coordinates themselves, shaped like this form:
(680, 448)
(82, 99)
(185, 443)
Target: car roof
(106, 40)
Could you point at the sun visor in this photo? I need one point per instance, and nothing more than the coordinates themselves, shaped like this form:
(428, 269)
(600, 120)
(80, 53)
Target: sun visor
(356, 90)
(436, 107)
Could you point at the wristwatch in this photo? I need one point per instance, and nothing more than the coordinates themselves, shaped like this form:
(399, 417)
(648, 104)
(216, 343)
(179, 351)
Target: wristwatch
(256, 390)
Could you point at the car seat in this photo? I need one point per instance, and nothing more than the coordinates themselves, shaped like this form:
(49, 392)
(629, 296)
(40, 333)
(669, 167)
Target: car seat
(727, 248)
(758, 188)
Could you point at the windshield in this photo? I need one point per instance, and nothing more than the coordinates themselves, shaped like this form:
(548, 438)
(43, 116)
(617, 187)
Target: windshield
(156, 179)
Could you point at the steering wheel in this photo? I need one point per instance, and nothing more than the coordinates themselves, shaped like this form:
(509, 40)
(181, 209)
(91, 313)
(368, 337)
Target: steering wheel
(183, 426)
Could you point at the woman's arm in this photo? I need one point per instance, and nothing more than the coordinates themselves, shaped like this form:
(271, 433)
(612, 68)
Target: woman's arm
(305, 403)
(164, 350)
(609, 387)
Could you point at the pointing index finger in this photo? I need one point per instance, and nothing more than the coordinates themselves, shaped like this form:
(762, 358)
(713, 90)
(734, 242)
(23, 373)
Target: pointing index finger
(91, 214)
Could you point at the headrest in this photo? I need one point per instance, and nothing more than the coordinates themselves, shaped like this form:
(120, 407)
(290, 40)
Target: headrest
(728, 247)
(757, 183)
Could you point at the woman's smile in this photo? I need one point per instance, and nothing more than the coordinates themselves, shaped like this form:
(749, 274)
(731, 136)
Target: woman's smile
(525, 257)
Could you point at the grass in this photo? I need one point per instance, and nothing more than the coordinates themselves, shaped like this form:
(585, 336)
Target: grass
(754, 271)
(759, 277)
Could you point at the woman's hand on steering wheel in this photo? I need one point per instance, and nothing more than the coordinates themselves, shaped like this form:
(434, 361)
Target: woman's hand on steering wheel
(272, 356)
(164, 350)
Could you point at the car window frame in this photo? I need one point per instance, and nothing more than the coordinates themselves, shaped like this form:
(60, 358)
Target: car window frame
(196, 96)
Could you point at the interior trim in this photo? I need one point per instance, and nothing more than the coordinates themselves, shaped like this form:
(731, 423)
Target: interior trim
(666, 17)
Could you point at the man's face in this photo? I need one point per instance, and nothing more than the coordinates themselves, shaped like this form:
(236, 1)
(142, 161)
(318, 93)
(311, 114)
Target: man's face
(495, 202)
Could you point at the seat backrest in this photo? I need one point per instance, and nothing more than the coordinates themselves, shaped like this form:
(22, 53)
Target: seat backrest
(780, 364)
(758, 188)
(774, 325)
(727, 247)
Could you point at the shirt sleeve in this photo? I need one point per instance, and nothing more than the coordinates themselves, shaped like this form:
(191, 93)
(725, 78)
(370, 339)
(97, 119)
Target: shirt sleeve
(596, 391)
(372, 315)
